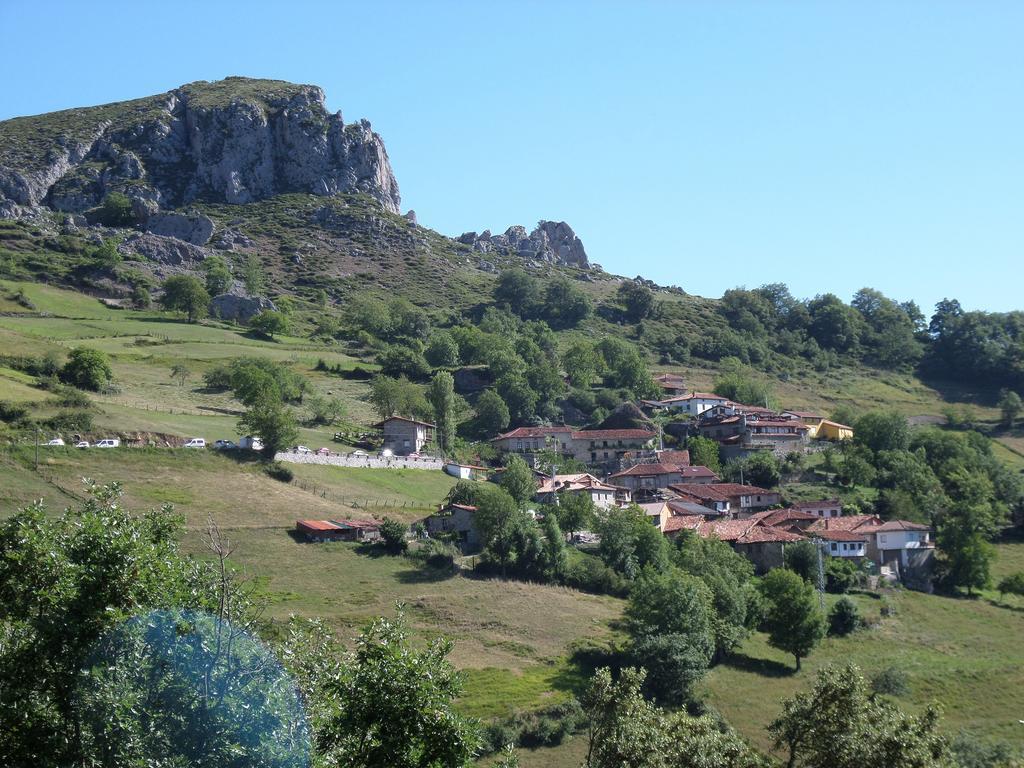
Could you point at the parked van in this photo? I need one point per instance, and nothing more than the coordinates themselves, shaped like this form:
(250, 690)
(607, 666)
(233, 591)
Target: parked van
(250, 443)
(108, 442)
(195, 442)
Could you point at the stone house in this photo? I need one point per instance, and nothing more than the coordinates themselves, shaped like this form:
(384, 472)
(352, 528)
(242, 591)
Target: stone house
(403, 436)
(456, 521)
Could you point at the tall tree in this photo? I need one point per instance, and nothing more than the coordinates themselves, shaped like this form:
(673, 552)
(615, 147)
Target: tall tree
(441, 396)
(965, 555)
(269, 419)
(253, 276)
(840, 724)
(1010, 406)
(794, 620)
(518, 481)
(492, 415)
(637, 300)
(704, 453)
(184, 293)
(218, 275)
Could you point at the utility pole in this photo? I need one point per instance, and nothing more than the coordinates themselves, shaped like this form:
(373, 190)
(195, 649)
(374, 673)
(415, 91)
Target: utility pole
(38, 430)
(821, 575)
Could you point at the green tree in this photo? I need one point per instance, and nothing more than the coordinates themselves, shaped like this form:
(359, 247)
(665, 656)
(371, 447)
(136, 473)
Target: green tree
(107, 256)
(555, 556)
(1010, 406)
(518, 396)
(269, 419)
(882, 431)
(388, 703)
(844, 617)
(441, 396)
(492, 416)
(575, 511)
(628, 544)
(218, 275)
(518, 481)
(184, 293)
(398, 397)
(637, 300)
(670, 621)
(114, 618)
(404, 360)
(794, 621)
(565, 304)
(704, 453)
(801, 557)
(393, 534)
(253, 277)
(323, 409)
(840, 724)
(1011, 585)
(268, 322)
(180, 372)
(87, 369)
(442, 351)
(498, 521)
(965, 555)
(517, 291)
(627, 731)
(581, 363)
(116, 210)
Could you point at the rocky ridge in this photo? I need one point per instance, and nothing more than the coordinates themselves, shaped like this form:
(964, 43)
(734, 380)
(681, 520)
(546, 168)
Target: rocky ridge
(233, 141)
(550, 241)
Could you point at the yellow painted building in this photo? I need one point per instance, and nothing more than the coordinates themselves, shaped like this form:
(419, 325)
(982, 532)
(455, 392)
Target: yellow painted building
(831, 430)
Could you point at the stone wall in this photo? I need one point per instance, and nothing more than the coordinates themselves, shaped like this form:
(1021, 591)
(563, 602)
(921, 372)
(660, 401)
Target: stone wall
(367, 462)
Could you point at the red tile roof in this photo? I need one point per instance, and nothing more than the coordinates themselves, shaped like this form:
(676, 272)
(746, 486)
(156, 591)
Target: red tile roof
(804, 414)
(650, 470)
(697, 471)
(900, 525)
(697, 396)
(534, 432)
(698, 491)
(682, 458)
(735, 489)
(766, 534)
(464, 507)
(380, 424)
(823, 503)
(613, 434)
(316, 525)
(846, 523)
(682, 523)
(779, 516)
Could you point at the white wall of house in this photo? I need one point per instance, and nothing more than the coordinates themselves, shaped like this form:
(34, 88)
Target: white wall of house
(847, 548)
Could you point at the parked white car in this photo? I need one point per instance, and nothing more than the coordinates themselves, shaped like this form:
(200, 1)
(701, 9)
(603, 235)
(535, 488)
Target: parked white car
(387, 453)
(195, 442)
(56, 441)
(109, 442)
(82, 444)
(302, 449)
(361, 454)
(224, 445)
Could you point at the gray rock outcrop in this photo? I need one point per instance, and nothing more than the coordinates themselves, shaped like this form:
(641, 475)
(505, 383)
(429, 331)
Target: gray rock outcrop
(162, 250)
(550, 241)
(233, 141)
(228, 306)
(192, 228)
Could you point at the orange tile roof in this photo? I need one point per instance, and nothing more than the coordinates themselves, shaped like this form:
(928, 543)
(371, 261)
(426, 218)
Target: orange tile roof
(900, 525)
(613, 434)
(646, 470)
(682, 523)
(838, 535)
(846, 523)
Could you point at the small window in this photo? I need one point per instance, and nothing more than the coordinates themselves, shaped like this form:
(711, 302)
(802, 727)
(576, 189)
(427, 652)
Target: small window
(835, 547)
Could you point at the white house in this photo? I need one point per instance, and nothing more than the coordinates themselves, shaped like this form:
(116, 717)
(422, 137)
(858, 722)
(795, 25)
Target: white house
(898, 541)
(823, 508)
(840, 543)
(694, 403)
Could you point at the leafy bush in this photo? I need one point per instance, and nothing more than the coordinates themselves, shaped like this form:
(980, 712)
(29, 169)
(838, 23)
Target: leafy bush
(891, 681)
(1012, 584)
(588, 573)
(844, 618)
(70, 421)
(87, 369)
(279, 471)
(393, 535)
(436, 553)
(842, 575)
(12, 412)
(115, 211)
(218, 377)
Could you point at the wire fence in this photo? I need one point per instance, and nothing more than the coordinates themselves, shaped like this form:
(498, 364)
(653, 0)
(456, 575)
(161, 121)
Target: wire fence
(358, 503)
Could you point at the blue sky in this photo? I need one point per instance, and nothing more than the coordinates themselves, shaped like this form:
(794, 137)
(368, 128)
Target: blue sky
(828, 145)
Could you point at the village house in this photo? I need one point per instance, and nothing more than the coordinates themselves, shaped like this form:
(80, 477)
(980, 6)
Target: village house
(839, 543)
(822, 508)
(671, 384)
(904, 547)
(831, 430)
(739, 500)
(685, 507)
(698, 475)
(846, 523)
(789, 519)
(338, 530)
(603, 495)
(762, 545)
(455, 521)
(590, 446)
(657, 512)
(404, 436)
(809, 419)
(678, 523)
(742, 434)
(693, 404)
(648, 477)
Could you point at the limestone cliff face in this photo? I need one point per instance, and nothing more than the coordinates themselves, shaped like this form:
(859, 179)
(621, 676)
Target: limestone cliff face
(233, 141)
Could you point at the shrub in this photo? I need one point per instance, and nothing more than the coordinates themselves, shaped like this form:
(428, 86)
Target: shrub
(70, 421)
(1012, 584)
(218, 377)
(115, 210)
(12, 412)
(891, 681)
(87, 369)
(842, 575)
(279, 471)
(393, 535)
(844, 618)
(437, 554)
(588, 573)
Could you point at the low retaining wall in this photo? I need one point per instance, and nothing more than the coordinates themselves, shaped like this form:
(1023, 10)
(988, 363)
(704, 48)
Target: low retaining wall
(366, 462)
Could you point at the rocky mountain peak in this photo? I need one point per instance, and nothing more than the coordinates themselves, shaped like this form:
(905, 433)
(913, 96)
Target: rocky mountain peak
(550, 241)
(236, 140)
